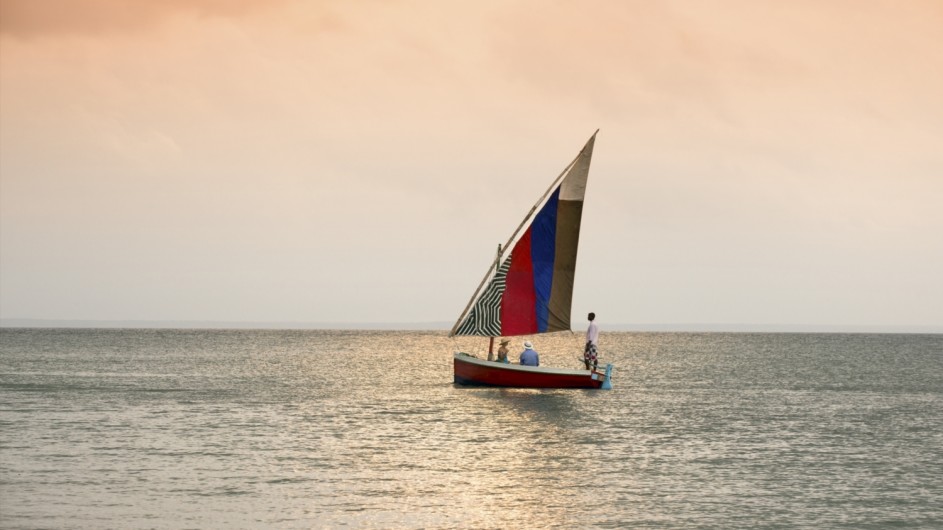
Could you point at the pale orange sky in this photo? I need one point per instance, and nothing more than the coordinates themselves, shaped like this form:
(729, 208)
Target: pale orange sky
(757, 163)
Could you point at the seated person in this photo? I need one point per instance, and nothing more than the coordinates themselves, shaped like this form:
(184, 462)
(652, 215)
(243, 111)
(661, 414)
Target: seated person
(529, 357)
(503, 352)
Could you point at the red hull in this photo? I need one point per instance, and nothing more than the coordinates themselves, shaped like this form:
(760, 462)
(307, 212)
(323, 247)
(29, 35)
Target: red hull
(477, 372)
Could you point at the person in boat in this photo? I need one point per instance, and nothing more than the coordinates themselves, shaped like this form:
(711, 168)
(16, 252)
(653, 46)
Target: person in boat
(592, 336)
(503, 352)
(529, 357)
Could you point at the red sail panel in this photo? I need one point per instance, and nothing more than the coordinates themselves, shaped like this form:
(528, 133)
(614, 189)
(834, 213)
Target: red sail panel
(517, 305)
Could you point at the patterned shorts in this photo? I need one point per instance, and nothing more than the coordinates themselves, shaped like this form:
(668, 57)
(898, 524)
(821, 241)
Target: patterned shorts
(590, 352)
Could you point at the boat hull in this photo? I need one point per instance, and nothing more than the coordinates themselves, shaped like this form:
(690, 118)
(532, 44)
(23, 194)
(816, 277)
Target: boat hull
(472, 371)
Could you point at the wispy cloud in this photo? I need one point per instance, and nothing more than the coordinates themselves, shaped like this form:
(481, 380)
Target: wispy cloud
(333, 143)
(30, 18)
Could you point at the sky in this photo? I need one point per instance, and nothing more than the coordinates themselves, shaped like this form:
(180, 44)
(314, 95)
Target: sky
(758, 163)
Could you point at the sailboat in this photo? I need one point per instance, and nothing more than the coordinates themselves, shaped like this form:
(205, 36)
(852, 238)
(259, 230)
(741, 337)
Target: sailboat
(528, 289)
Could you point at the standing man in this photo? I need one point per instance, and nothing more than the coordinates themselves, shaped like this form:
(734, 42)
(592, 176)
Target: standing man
(592, 336)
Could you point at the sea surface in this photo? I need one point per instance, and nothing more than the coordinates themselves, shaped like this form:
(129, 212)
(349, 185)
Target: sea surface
(358, 429)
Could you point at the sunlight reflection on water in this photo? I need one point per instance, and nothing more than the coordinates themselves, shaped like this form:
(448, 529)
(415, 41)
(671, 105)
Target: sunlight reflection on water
(170, 428)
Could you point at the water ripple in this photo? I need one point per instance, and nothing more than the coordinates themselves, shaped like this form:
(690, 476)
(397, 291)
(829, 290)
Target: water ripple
(213, 429)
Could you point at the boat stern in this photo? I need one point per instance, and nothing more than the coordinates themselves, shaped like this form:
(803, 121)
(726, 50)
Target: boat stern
(607, 379)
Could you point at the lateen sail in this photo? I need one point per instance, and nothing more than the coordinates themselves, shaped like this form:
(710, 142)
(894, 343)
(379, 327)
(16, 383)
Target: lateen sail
(531, 290)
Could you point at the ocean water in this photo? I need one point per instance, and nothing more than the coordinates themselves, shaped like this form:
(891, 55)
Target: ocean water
(334, 429)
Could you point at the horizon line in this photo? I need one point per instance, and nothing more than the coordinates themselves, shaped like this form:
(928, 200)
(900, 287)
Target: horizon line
(445, 326)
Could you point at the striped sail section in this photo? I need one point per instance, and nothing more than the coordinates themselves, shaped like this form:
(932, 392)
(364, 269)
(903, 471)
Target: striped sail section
(484, 319)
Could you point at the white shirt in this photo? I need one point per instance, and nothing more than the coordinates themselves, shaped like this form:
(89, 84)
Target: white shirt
(592, 334)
